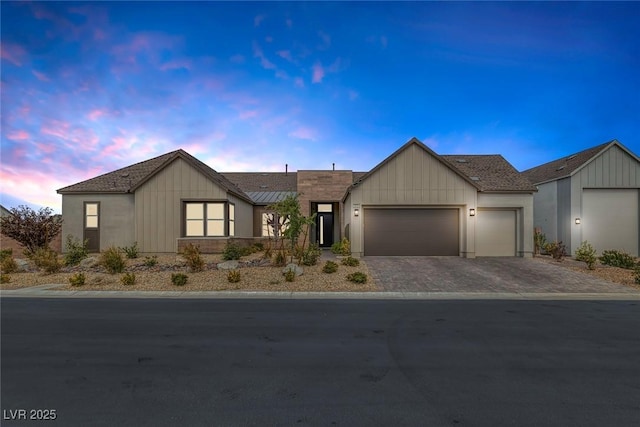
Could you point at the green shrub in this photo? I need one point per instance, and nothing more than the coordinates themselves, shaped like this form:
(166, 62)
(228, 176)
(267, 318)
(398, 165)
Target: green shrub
(231, 251)
(4, 278)
(587, 254)
(556, 249)
(76, 251)
(330, 267)
(150, 261)
(342, 247)
(46, 259)
(131, 251)
(311, 255)
(357, 277)
(290, 275)
(5, 253)
(351, 261)
(191, 254)
(8, 264)
(539, 242)
(77, 279)
(616, 258)
(280, 259)
(233, 276)
(128, 279)
(258, 247)
(636, 274)
(111, 259)
(179, 279)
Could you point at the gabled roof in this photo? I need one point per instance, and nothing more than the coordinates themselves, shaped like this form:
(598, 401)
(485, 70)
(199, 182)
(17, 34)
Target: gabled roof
(263, 181)
(130, 178)
(567, 166)
(491, 173)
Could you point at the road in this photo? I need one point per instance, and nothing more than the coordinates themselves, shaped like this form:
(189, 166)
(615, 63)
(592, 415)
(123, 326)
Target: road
(159, 362)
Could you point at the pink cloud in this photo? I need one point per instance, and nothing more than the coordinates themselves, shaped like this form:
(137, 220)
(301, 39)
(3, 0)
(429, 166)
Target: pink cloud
(18, 135)
(303, 133)
(264, 62)
(12, 52)
(298, 82)
(282, 75)
(40, 76)
(96, 114)
(285, 54)
(248, 114)
(318, 73)
(176, 65)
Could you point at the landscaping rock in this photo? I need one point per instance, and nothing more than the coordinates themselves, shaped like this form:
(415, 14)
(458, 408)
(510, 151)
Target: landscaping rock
(228, 265)
(89, 262)
(295, 267)
(23, 264)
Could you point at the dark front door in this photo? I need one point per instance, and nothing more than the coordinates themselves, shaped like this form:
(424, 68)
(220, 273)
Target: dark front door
(324, 229)
(92, 226)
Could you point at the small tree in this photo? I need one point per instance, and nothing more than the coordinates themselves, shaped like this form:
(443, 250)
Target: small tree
(32, 229)
(295, 224)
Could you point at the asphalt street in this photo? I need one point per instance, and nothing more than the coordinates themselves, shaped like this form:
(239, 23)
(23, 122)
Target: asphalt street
(160, 362)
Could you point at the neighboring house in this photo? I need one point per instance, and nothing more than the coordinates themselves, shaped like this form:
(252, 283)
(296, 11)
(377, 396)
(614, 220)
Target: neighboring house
(591, 195)
(416, 202)
(458, 205)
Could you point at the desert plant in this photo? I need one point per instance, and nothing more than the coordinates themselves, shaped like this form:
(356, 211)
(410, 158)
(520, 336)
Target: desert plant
(150, 261)
(111, 259)
(290, 275)
(191, 253)
(46, 259)
(311, 255)
(357, 277)
(557, 250)
(280, 259)
(7, 263)
(231, 251)
(78, 279)
(33, 229)
(587, 254)
(131, 252)
(76, 251)
(330, 267)
(636, 274)
(179, 279)
(128, 279)
(4, 278)
(617, 258)
(233, 276)
(5, 253)
(351, 261)
(258, 247)
(342, 247)
(539, 241)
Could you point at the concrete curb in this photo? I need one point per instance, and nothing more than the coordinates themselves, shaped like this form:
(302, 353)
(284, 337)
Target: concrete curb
(47, 291)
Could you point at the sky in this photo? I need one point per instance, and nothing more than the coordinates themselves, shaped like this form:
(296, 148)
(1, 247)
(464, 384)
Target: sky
(90, 87)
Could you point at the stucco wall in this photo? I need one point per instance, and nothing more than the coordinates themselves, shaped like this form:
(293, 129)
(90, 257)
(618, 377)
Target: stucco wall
(545, 214)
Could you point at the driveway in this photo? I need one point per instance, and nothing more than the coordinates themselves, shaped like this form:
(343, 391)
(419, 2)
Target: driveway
(504, 275)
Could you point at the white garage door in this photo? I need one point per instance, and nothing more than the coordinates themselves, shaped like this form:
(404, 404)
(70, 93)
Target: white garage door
(610, 219)
(496, 233)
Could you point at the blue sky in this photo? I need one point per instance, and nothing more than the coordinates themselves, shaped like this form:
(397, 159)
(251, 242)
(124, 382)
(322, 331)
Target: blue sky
(91, 87)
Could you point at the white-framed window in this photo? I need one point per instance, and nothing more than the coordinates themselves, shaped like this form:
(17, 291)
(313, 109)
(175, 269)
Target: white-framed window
(232, 219)
(91, 215)
(204, 219)
(273, 225)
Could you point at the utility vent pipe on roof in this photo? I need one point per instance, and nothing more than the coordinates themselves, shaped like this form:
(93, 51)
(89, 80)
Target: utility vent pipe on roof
(286, 168)
(334, 166)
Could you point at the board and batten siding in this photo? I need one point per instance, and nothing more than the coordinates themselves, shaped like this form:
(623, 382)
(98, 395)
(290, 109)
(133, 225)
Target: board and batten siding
(243, 217)
(116, 218)
(158, 204)
(545, 215)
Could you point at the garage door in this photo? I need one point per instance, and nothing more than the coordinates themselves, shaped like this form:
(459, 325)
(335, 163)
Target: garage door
(610, 219)
(496, 233)
(395, 232)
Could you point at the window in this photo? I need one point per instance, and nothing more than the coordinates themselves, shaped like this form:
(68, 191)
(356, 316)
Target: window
(91, 215)
(273, 225)
(232, 219)
(204, 219)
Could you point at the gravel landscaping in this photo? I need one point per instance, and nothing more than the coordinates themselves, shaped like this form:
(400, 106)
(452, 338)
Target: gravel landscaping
(256, 274)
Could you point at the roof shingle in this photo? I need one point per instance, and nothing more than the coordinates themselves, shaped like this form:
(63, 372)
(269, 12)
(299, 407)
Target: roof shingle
(490, 172)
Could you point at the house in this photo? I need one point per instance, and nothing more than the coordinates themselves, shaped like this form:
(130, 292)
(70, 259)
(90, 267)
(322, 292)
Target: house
(590, 196)
(416, 202)
(467, 205)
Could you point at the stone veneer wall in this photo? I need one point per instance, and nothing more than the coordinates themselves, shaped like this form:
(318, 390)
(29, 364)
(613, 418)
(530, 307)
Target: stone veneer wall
(322, 186)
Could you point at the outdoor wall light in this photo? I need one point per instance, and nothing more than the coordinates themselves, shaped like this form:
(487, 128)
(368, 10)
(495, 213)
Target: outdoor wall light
(472, 212)
(578, 221)
(356, 212)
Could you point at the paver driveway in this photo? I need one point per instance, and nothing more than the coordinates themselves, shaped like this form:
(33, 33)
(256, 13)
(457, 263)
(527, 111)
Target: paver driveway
(454, 274)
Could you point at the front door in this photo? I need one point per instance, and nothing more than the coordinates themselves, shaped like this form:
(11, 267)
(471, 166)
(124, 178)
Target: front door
(92, 226)
(324, 227)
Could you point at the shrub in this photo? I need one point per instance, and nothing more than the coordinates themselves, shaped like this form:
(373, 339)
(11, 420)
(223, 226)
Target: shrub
(46, 259)
(231, 251)
(4, 278)
(311, 255)
(342, 247)
(258, 247)
(636, 274)
(7, 263)
(76, 251)
(357, 277)
(191, 254)
(128, 279)
(150, 261)
(587, 254)
(233, 276)
(179, 279)
(330, 267)
(33, 229)
(539, 241)
(77, 279)
(112, 260)
(616, 258)
(290, 275)
(556, 249)
(351, 261)
(131, 251)
(280, 259)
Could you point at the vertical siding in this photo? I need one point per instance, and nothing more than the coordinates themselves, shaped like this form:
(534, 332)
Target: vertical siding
(158, 207)
(564, 210)
(243, 217)
(612, 169)
(545, 215)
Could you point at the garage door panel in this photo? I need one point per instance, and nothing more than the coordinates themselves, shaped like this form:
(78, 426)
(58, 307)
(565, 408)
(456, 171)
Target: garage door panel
(610, 219)
(411, 232)
(496, 233)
